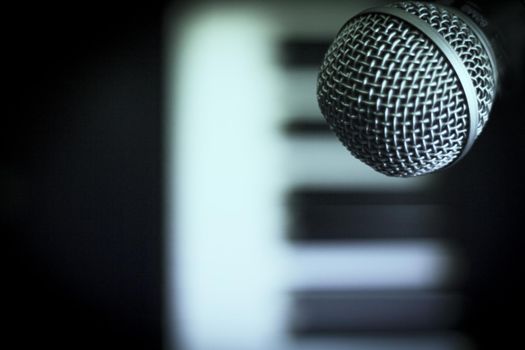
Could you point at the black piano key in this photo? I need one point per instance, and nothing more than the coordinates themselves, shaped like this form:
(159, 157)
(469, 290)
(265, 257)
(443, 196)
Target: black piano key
(319, 215)
(374, 311)
(306, 127)
(300, 53)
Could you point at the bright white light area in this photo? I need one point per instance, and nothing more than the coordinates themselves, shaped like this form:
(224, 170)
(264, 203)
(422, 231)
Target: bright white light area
(371, 265)
(226, 221)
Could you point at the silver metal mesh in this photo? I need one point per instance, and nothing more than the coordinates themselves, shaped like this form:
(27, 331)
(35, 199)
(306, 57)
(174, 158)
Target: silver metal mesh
(467, 45)
(393, 98)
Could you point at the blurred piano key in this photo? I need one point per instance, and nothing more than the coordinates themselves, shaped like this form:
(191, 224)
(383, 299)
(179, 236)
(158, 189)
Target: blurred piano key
(322, 162)
(365, 265)
(306, 126)
(315, 20)
(303, 52)
(432, 341)
(300, 98)
(324, 222)
(373, 311)
(334, 215)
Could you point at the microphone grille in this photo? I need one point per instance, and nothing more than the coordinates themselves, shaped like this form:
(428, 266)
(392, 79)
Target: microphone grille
(394, 98)
(467, 45)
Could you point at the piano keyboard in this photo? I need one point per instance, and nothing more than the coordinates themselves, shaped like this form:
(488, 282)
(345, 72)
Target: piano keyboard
(278, 238)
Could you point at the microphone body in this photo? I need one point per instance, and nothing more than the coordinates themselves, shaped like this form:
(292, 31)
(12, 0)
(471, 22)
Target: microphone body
(407, 88)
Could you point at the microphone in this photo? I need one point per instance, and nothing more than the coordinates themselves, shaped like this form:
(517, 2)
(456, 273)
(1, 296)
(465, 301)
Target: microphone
(408, 87)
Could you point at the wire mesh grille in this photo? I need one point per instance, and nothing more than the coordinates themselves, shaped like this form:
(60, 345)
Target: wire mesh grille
(392, 97)
(467, 45)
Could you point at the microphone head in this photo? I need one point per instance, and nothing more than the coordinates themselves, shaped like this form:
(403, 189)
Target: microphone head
(407, 88)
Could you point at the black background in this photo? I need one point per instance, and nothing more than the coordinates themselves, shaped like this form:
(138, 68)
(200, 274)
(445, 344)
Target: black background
(82, 178)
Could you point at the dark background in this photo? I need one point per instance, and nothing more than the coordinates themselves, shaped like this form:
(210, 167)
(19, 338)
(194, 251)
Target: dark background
(82, 184)
(81, 178)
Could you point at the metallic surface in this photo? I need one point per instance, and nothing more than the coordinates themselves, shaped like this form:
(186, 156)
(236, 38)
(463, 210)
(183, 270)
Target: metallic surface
(407, 88)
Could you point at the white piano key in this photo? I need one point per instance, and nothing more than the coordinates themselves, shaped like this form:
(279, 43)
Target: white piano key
(394, 264)
(323, 162)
